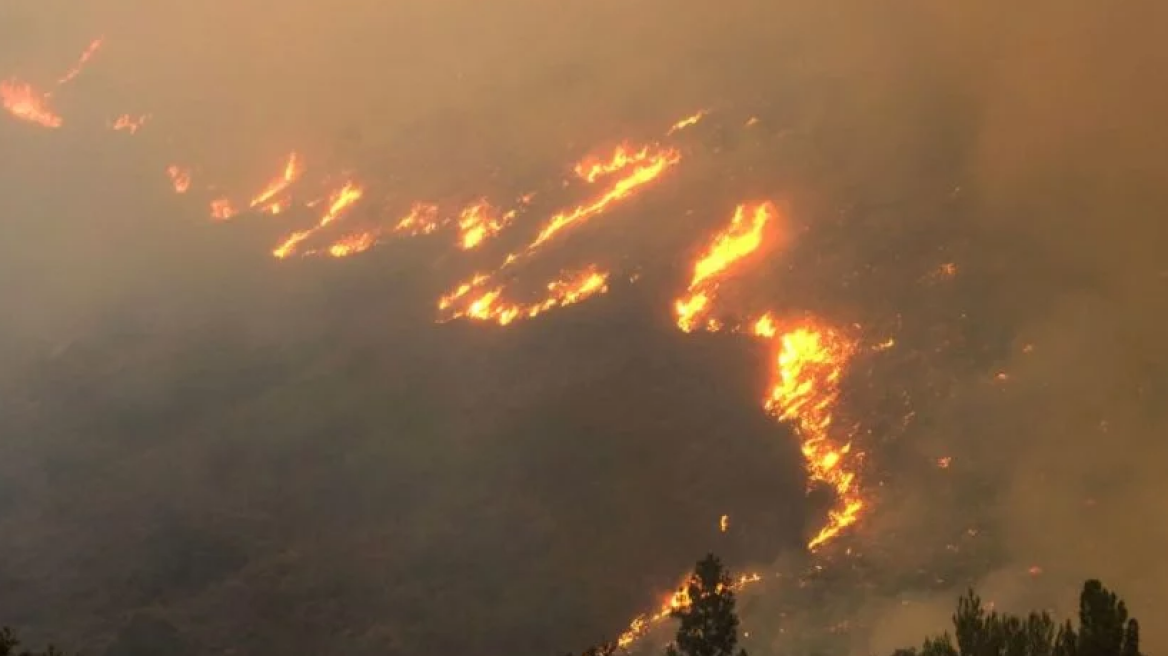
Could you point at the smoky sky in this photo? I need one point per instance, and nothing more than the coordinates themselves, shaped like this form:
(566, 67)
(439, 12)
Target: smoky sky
(208, 450)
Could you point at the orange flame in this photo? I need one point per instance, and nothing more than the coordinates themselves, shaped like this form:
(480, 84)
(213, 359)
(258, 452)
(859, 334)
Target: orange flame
(90, 51)
(741, 238)
(24, 102)
(353, 244)
(808, 369)
(678, 600)
(591, 169)
(569, 289)
(267, 200)
(127, 123)
(645, 172)
(180, 178)
(478, 222)
(691, 120)
(339, 202)
(422, 220)
(222, 209)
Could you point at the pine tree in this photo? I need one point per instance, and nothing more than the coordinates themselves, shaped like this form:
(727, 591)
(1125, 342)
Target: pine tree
(708, 623)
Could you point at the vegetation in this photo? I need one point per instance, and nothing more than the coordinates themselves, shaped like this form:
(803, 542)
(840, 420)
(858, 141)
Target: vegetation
(1105, 629)
(708, 625)
(9, 643)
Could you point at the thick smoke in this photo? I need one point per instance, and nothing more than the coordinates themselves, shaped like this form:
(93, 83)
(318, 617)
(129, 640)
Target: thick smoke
(291, 457)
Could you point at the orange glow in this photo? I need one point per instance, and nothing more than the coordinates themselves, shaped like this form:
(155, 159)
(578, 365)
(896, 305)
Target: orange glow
(645, 172)
(24, 102)
(592, 169)
(127, 123)
(422, 220)
(339, 202)
(678, 600)
(804, 389)
(686, 122)
(569, 289)
(222, 209)
(478, 222)
(268, 200)
(180, 178)
(740, 239)
(353, 244)
(90, 51)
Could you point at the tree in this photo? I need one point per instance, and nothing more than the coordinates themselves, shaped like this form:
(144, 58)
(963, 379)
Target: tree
(9, 643)
(708, 623)
(1104, 630)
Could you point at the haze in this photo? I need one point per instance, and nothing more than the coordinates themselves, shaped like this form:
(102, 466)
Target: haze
(206, 449)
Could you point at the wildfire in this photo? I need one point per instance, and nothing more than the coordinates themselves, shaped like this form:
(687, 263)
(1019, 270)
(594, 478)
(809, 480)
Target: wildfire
(339, 202)
(222, 209)
(478, 222)
(24, 102)
(268, 200)
(180, 178)
(353, 244)
(127, 123)
(591, 169)
(740, 239)
(686, 122)
(569, 289)
(422, 220)
(646, 171)
(804, 389)
(678, 600)
(90, 51)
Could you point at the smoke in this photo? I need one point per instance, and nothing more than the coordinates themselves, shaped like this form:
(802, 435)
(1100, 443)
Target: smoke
(234, 444)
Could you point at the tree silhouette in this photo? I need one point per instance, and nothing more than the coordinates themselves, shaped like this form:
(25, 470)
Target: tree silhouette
(1104, 630)
(708, 623)
(9, 643)
(603, 649)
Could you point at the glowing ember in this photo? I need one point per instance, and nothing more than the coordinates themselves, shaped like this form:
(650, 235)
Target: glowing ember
(180, 178)
(24, 102)
(127, 123)
(686, 122)
(724, 523)
(90, 51)
(222, 209)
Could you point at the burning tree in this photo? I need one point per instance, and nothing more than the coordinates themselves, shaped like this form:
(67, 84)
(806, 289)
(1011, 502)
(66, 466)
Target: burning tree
(708, 622)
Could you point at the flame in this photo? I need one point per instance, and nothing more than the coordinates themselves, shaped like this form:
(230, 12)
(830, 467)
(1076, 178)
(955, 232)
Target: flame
(691, 120)
(353, 244)
(645, 172)
(805, 386)
(266, 199)
(724, 523)
(678, 600)
(591, 169)
(127, 123)
(24, 102)
(741, 238)
(222, 209)
(478, 222)
(569, 289)
(90, 51)
(180, 178)
(422, 220)
(339, 202)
